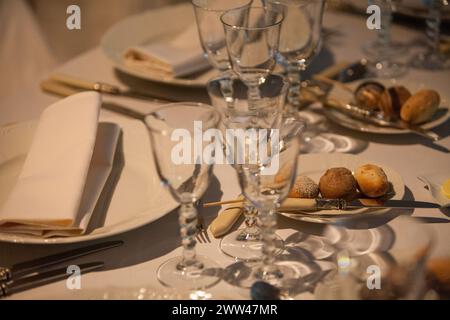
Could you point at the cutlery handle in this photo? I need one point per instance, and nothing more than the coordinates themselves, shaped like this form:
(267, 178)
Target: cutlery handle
(58, 88)
(84, 84)
(293, 204)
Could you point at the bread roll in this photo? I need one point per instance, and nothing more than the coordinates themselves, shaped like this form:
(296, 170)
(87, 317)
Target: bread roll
(392, 100)
(304, 187)
(368, 94)
(372, 181)
(337, 183)
(420, 107)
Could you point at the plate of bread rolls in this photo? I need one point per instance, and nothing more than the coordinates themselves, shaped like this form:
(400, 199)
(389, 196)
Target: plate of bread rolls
(413, 103)
(343, 176)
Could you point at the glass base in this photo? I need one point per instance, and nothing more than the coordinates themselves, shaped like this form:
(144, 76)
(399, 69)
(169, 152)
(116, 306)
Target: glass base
(431, 61)
(205, 273)
(246, 247)
(283, 274)
(387, 69)
(375, 49)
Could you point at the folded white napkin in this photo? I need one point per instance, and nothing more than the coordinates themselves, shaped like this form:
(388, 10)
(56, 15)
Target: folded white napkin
(66, 168)
(180, 56)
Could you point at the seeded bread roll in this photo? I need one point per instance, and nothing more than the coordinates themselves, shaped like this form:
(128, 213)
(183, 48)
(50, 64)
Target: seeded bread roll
(304, 187)
(372, 181)
(337, 183)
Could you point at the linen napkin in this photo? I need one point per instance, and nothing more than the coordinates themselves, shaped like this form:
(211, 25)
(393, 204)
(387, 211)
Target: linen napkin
(64, 172)
(225, 220)
(180, 56)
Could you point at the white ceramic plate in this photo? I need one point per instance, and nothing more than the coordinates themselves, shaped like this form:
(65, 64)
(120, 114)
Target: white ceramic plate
(151, 26)
(315, 165)
(138, 196)
(342, 119)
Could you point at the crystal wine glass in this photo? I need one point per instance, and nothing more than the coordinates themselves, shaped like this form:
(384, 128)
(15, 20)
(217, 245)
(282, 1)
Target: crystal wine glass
(432, 58)
(245, 244)
(210, 29)
(266, 184)
(186, 174)
(300, 39)
(252, 35)
(381, 62)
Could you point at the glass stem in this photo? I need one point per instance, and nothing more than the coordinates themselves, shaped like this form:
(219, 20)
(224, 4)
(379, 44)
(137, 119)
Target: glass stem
(188, 231)
(433, 26)
(268, 220)
(384, 34)
(251, 231)
(294, 78)
(253, 96)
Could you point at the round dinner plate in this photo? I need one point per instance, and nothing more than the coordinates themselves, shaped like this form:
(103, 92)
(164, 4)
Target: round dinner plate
(441, 116)
(138, 197)
(315, 165)
(147, 27)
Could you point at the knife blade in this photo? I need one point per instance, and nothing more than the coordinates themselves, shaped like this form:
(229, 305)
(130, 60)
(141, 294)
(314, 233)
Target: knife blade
(292, 204)
(40, 279)
(388, 204)
(23, 269)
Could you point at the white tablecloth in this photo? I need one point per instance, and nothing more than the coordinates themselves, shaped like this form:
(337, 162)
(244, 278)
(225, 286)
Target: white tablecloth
(134, 265)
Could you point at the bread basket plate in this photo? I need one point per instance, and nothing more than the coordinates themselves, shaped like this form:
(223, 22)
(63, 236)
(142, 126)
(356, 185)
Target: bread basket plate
(339, 94)
(315, 165)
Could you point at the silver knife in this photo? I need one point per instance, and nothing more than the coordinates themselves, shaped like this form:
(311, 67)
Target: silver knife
(24, 269)
(292, 204)
(40, 279)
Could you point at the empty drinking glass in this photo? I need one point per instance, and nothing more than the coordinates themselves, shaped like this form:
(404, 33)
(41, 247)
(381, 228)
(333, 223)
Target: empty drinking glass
(245, 244)
(252, 35)
(186, 174)
(300, 39)
(210, 29)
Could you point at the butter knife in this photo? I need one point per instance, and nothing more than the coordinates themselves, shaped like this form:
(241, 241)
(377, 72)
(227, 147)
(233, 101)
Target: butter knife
(292, 204)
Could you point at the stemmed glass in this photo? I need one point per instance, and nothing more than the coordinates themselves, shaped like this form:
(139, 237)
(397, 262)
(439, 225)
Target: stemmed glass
(300, 39)
(186, 174)
(432, 58)
(245, 244)
(210, 29)
(266, 184)
(381, 62)
(252, 35)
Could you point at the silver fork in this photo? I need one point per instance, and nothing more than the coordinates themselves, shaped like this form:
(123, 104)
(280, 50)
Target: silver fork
(202, 234)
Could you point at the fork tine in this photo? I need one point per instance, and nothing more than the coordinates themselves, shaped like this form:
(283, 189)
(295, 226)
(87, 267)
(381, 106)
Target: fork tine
(199, 235)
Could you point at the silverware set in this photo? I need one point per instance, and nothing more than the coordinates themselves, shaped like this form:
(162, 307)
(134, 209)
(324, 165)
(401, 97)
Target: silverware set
(41, 271)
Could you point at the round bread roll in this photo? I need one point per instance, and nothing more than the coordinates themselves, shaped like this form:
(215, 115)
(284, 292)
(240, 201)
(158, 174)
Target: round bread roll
(372, 181)
(304, 187)
(338, 183)
(420, 107)
(392, 100)
(368, 94)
